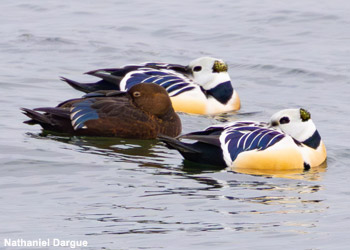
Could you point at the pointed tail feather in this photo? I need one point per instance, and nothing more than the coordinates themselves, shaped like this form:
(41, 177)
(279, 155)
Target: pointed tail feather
(92, 87)
(199, 152)
(84, 87)
(35, 117)
(107, 77)
(59, 112)
(178, 145)
(54, 119)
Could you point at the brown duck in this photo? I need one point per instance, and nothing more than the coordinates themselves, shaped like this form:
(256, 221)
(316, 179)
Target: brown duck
(143, 112)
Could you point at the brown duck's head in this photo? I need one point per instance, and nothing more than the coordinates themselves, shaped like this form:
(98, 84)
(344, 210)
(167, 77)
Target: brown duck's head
(151, 98)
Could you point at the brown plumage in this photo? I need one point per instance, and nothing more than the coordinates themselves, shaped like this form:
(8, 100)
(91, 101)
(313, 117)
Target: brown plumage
(144, 112)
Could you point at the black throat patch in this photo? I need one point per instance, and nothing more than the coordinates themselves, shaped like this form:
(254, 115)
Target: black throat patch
(314, 141)
(223, 92)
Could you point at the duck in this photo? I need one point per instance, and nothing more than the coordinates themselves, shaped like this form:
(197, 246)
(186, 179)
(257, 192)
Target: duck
(202, 87)
(143, 112)
(289, 141)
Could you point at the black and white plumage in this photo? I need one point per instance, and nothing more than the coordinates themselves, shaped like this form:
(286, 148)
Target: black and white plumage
(289, 141)
(202, 87)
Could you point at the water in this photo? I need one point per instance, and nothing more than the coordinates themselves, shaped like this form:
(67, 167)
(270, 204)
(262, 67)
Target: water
(127, 194)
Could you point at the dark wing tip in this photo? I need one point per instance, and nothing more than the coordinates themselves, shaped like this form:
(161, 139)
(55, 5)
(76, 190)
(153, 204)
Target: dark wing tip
(63, 79)
(174, 143)
(35, 116)
(24, 109)
(91, 72)
(27, 111)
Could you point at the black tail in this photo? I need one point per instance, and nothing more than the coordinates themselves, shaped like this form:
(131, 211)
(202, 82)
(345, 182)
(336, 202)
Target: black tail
(35, 117)
(178, 145)
(199, 152)
(84, 87)
(107, 83)
(54, 119)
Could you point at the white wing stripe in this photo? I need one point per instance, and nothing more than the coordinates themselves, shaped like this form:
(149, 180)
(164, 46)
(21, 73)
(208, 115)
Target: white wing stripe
(271, 140)
(264, 136)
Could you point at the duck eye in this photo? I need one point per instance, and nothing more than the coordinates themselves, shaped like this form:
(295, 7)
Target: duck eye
(284, 120)
(136, 94)
(197, 68)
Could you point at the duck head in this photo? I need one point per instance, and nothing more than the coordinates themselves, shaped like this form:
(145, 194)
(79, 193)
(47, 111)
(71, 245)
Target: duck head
(151, 98)
(295, 122)
(208, 72)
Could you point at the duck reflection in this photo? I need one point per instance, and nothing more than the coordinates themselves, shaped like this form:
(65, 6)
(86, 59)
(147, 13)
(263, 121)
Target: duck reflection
(234, 195)
(236, 203)
(313, 174)
(152, 153)
(118, 148)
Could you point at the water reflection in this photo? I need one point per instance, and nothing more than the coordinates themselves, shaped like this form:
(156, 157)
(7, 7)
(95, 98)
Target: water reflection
(196, 168)
(313, 174)
(105, 145)
(140, 152)
(217, 205)
(192, 197)
(152, 153)
(145, 153)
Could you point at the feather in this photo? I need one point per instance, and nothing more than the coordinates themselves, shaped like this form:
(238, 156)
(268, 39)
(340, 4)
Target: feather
(197, 152)
(35, 116)
(107, 77)
(54, 111)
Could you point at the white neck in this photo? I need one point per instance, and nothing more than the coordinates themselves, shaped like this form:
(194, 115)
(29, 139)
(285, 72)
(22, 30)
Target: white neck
(216, 80)
(302, 132)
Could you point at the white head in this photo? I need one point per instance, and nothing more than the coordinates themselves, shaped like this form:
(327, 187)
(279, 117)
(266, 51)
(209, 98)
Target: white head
(295, 122)
(209, 72)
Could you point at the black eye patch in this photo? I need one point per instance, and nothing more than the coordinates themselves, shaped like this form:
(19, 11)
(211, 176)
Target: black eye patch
(284, 120)
(197, 68)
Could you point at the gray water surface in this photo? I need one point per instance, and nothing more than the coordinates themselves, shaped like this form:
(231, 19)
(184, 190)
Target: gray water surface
(129, 194)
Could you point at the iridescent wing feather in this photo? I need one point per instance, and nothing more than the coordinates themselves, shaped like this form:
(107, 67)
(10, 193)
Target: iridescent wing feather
(173, 82)
(237, 139)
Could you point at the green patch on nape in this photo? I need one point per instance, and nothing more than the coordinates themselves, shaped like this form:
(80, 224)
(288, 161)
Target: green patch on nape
(219, 67)
(304, 115)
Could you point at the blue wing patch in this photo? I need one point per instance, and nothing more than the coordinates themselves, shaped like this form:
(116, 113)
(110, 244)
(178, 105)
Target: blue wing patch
(242, 139)
(82, 112)
(172, 82)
